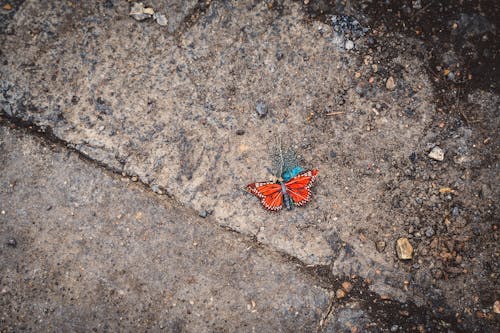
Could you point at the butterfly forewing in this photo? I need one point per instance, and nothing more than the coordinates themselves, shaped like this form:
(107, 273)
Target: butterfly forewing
(298, 188)
(273, 201)
(269, 194)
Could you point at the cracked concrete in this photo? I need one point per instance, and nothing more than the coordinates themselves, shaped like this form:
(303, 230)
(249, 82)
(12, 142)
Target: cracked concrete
(215, 70)
(175, 107)
(84, 249)
(80, 233)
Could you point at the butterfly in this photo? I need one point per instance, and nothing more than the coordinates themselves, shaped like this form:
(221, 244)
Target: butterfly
(295, 191)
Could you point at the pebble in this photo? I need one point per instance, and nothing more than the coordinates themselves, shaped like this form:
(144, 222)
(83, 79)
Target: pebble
(12, 242)
(437, 154)
(429, 232)
(340, 293)
(261, 109)
(205, 212)
(380, 245)
(240, 132)
(404, 248)
(349, 45)
(347, 286)
(149, 11)
(416, 4)
(496, 307)
(390, 83)
(160, 19)
(409, 112)
(413, 157)
(333, 154)
(347, 25)
(139, 13)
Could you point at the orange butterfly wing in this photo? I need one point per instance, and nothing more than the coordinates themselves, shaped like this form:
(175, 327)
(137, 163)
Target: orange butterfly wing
(298, 188)
(269, 194)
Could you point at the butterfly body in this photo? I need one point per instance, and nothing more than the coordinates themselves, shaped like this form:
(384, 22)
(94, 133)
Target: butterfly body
(294, 192)
(286, 197)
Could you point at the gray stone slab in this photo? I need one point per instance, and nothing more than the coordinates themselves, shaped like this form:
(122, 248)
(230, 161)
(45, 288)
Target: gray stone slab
(81, 250)
(167, 107)
(192, 109)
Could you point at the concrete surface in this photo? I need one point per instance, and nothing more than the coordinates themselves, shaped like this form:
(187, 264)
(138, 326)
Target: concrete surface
(167, 106)
(97, 252)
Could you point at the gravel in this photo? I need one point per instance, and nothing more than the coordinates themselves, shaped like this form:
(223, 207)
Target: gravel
(349, 45)
(12, 242)
(437, 154)
(261, 109)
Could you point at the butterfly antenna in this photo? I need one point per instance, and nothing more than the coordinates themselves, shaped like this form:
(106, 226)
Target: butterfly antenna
(282, 159)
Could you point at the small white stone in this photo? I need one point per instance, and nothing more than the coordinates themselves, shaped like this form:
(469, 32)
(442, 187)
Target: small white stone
(149, 11)
(137, 8)
(140, 13)
(160, 19)
(390, 83)
(349, 45)
(437, 154)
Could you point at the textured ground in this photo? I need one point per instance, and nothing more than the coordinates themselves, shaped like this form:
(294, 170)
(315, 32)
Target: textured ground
(179, 109)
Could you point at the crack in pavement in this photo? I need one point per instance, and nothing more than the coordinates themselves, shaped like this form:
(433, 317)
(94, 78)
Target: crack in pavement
(325, 317)
(110, 247)
(46, 134)
(371, 303)
(166, 109)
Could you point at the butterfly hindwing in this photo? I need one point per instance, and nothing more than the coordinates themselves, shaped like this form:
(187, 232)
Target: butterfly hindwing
(269, 194)
(298, 188)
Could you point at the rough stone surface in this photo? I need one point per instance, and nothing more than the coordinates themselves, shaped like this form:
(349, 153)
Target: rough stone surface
(163, 106)
(112, 256)
(98, 251)
(167, 114)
